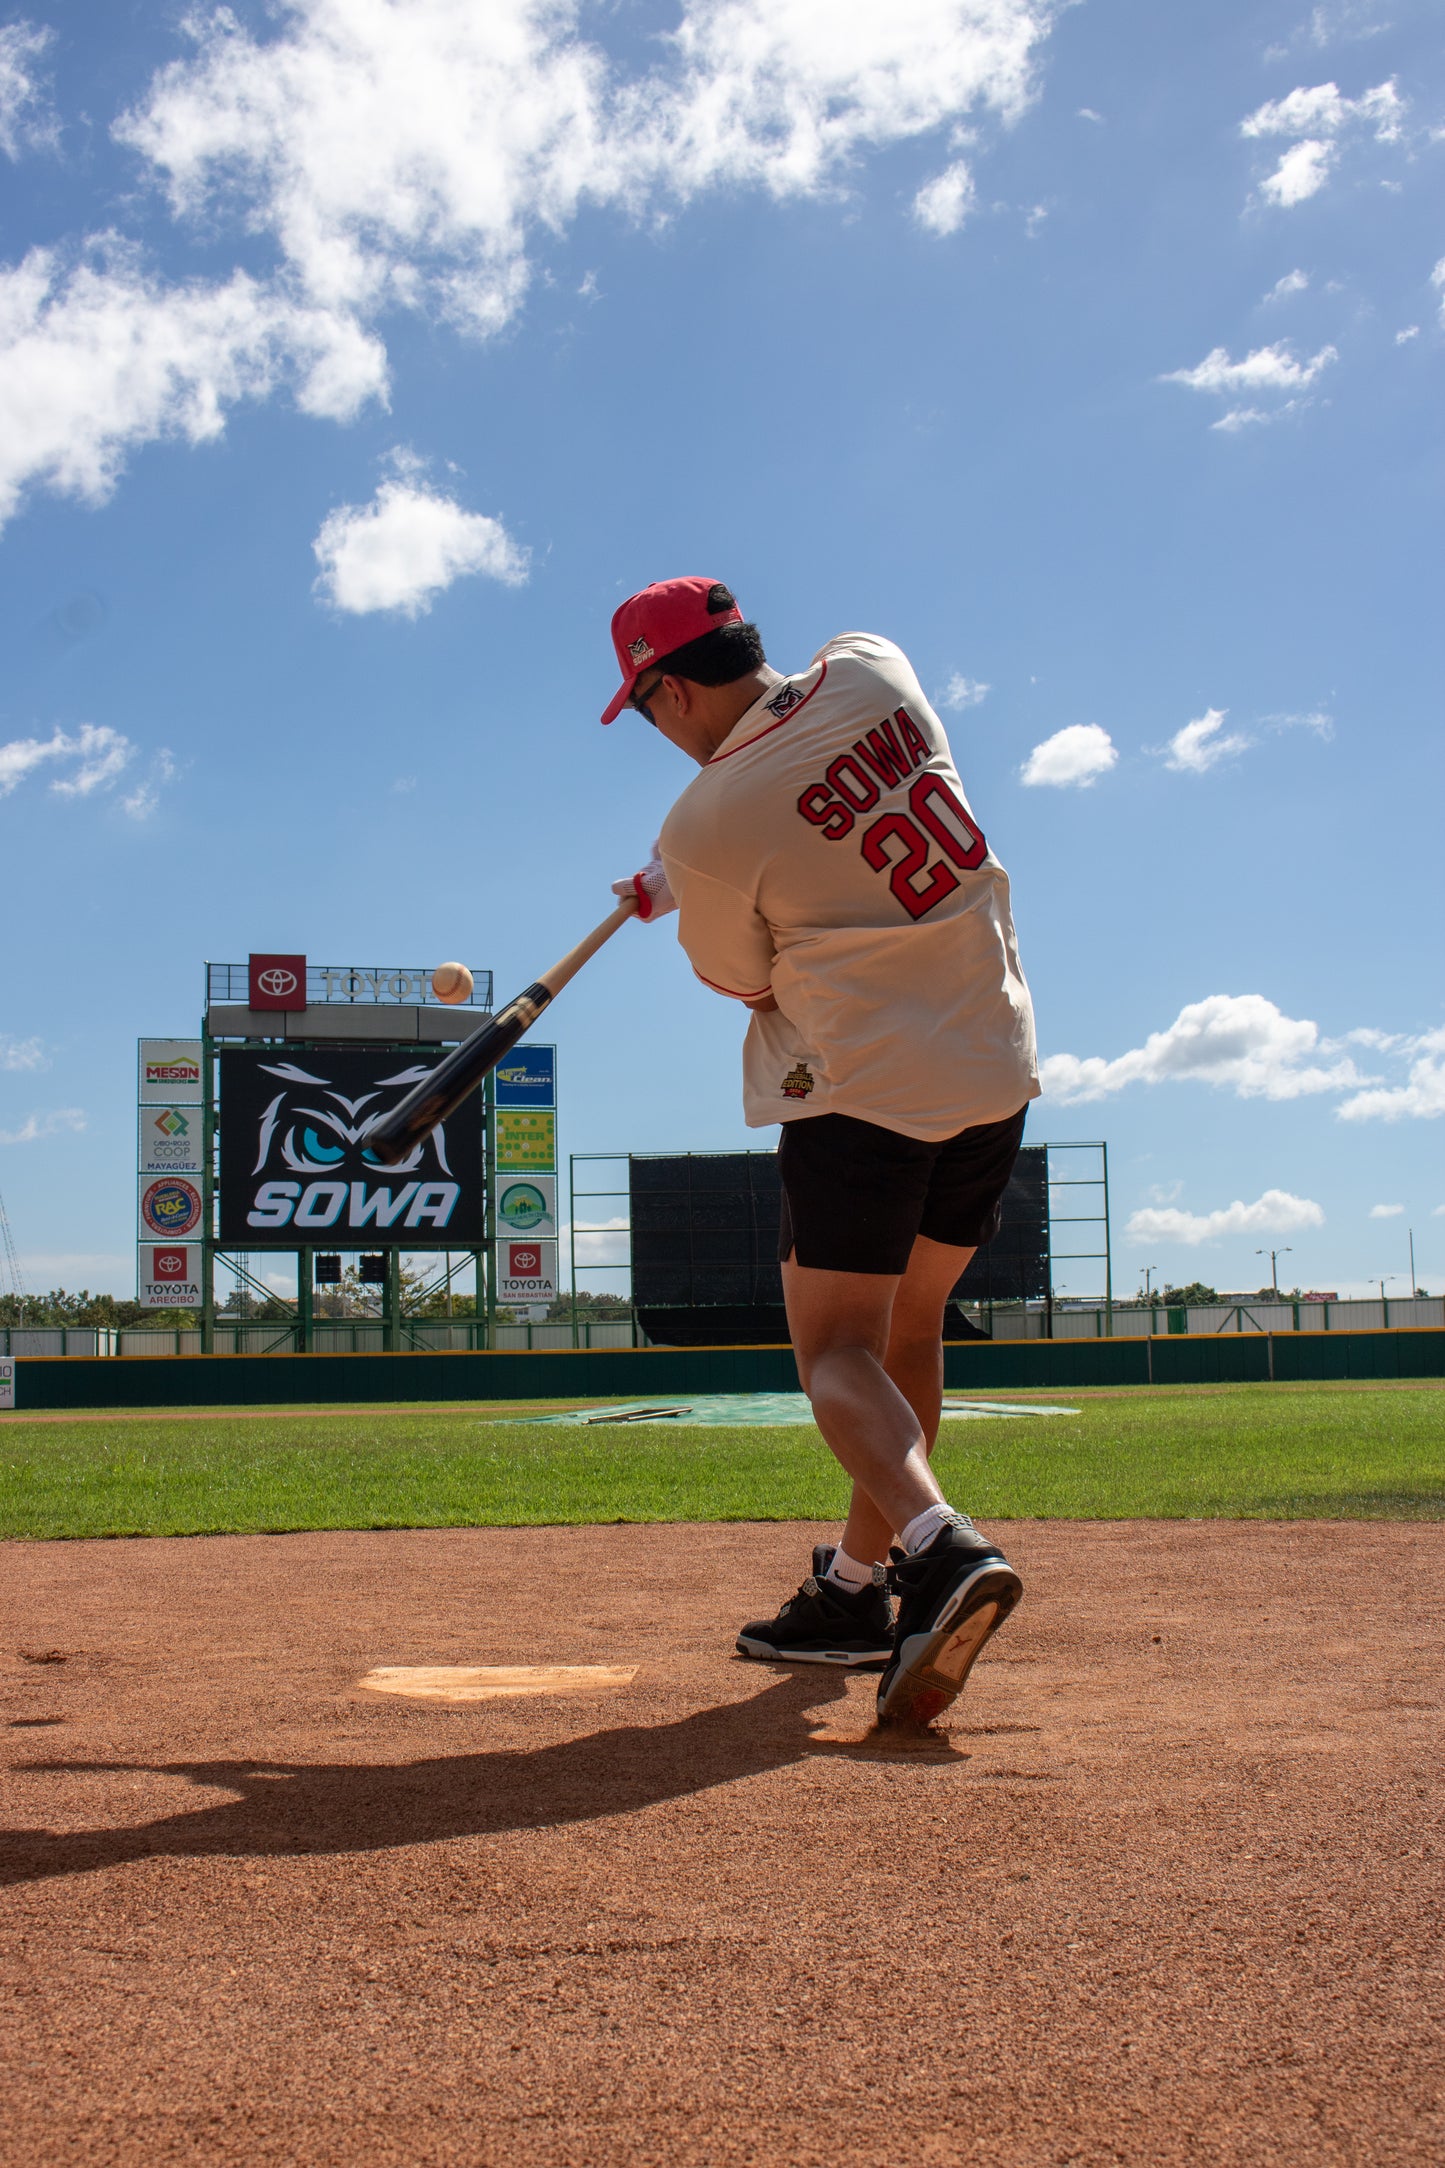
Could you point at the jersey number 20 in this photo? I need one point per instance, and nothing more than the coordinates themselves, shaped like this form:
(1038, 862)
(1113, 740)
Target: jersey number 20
(917, 885)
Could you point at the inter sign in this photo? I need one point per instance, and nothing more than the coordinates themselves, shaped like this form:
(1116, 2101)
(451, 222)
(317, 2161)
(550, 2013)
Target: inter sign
(295, 1168)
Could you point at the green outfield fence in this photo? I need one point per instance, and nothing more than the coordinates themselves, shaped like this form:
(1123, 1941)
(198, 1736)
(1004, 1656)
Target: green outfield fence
(45, 1383)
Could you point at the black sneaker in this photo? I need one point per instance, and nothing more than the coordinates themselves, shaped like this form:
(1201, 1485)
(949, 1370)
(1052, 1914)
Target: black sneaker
(951, 1597)
(823, 1624)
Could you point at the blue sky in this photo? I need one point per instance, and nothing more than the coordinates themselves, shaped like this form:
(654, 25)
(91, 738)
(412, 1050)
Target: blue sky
(356, 361)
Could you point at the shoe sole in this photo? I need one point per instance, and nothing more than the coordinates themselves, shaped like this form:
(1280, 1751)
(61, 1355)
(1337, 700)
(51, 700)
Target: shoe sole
(933, 1667)
(848, 1659)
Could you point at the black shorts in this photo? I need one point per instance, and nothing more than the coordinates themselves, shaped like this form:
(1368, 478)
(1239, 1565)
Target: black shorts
(856, 1194)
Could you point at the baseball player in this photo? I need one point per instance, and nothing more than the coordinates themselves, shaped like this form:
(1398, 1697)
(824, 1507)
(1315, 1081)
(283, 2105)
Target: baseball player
(829, 874)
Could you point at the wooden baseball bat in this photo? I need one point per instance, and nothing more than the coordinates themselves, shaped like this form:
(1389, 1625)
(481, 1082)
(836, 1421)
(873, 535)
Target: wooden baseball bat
(461, 1071)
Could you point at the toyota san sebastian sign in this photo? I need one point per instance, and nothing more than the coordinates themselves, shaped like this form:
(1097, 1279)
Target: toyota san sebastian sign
(277, 982)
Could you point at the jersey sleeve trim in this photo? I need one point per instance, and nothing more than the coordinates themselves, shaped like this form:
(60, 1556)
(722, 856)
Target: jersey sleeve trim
(772, 726)
(731, 991)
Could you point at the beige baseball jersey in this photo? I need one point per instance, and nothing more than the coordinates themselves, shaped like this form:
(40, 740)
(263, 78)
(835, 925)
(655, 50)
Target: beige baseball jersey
(827, 852)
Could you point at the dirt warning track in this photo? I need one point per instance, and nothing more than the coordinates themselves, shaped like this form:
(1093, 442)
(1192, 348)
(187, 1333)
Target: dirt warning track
(1167, 1890)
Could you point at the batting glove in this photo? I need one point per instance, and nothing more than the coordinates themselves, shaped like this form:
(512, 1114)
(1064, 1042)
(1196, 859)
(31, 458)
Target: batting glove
(654, 898)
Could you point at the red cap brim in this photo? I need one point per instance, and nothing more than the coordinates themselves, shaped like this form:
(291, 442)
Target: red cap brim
(618, 702)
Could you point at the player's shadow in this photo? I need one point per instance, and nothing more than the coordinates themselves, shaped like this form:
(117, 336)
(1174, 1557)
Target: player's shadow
(290, 1808)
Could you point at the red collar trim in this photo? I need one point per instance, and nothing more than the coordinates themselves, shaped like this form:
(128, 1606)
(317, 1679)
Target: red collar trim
(772, 726)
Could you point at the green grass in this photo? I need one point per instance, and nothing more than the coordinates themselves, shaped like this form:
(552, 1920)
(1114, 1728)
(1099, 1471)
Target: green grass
(1250, 1452)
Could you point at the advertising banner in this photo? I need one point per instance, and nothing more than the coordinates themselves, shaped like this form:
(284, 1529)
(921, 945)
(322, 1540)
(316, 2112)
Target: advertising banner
(277, 982)
(170, 1207)
(7, 1382)
(170, 1140)
(168, 1275)
(527, 1077)
(170, 1072)
(526, 1272)
(526, 1143)
(295, 1170)
(527, 1204)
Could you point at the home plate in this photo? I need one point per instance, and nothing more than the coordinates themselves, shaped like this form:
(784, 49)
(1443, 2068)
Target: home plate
(488, 1682)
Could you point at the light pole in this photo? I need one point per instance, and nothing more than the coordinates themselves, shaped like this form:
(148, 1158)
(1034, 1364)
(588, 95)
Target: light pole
(1147, 1271)
(1274, 1257)
(1412, 1261)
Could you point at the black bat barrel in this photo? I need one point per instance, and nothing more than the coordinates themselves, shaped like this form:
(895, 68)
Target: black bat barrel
(441, 1093)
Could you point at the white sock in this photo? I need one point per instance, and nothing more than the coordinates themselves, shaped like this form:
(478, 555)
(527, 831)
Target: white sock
(849, 1573)
(924, 1526)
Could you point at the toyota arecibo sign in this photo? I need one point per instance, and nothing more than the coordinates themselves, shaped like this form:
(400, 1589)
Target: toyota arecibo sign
(295, 1171)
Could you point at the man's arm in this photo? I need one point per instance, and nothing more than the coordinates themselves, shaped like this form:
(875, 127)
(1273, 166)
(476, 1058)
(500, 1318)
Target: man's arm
(724, 937)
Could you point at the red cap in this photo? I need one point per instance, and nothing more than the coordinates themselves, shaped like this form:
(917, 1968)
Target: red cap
(663, 617)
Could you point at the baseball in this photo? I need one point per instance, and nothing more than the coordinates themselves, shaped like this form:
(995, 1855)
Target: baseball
(451, 982)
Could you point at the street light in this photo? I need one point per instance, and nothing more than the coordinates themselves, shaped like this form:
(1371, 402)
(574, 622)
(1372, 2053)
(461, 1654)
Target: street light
(1147, 1270)
(1274, 1256)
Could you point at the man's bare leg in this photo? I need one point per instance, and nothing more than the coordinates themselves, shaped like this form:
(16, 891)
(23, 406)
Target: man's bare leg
(841, 1325)
(913, 1360)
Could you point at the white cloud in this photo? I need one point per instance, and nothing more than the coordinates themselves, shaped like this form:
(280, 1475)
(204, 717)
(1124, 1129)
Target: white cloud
(1271, 369)
(1319, 116)
(1277, 1212)
(1293, 282)
(1403, 338)
(1300, 174)
(1078, 755)
(1086, 112)
(1386, 1211)
(60, 1121)
(100, 358)
(1322, 111)
(1267, 368)
(99, 752)
(407, 546)
(141, 802)
(943, 203)
(26, 122)
(1422, 1097)
(21, 1053)
(964, 692)
(1316, 720)
(1345, 19)
(1199, 746)
(1437, 280)
(384, 147)
(410, 153)
(1439, 1212)
(1237, 1042)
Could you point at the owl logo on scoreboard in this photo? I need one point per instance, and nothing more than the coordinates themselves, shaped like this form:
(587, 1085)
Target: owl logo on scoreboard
(296, 1167)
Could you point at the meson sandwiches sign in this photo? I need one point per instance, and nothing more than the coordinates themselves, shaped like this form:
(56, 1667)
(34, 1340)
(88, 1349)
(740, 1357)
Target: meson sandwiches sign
(295, 1169)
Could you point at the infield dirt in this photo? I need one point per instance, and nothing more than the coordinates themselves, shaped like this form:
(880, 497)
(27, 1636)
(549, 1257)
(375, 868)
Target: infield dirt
(1167, 1889)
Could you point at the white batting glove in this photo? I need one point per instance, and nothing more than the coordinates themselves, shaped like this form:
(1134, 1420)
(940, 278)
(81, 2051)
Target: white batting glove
(654, 898)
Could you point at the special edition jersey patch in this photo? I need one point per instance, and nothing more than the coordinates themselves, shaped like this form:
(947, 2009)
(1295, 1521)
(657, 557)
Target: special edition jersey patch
(798, 1082)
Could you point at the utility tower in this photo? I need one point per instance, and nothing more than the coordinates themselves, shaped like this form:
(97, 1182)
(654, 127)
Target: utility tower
(8, 1259)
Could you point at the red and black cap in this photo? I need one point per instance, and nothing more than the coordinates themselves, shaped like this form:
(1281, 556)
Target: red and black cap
(661, 618)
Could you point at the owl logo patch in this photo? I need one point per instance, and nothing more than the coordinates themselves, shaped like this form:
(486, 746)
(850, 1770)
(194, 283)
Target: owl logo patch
(798, 1082)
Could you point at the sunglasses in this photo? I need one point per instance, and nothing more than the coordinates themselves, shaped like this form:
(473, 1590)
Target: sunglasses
(640, 700)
